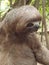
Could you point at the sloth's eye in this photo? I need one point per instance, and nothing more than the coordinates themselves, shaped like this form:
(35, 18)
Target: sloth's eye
(29, 25)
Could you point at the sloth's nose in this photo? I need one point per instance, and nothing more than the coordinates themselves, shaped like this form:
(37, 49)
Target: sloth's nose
(36, 27)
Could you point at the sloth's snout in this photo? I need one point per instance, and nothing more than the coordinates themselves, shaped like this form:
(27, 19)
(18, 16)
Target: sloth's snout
(36, 26)
(32, 27)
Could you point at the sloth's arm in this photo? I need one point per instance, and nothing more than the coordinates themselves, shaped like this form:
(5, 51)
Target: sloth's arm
(42, 55)
(41, 52)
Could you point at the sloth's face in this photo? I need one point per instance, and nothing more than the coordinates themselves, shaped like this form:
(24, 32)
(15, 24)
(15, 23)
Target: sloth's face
(28, 27)
(32, 27)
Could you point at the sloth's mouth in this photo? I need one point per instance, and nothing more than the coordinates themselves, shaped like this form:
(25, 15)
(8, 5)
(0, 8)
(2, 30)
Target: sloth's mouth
(31, 27)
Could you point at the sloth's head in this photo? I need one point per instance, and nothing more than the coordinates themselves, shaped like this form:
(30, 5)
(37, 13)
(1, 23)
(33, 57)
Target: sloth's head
(23, 20)
(28, 19)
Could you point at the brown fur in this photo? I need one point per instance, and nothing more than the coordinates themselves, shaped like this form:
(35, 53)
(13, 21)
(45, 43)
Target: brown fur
(17, 47)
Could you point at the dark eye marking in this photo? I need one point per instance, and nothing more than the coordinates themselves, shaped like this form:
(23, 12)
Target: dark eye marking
(29, 25)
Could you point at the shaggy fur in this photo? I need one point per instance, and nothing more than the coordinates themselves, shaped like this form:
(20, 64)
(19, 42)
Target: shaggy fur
(18, 46)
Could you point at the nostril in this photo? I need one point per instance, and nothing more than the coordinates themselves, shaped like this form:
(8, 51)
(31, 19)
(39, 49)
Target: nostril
(37, 26)
(29, 24)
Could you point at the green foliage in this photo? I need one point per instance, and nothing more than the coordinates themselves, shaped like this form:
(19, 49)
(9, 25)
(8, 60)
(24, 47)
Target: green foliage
(32, 2)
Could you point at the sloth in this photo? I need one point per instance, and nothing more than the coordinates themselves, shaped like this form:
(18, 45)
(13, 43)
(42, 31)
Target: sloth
(19, 44)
